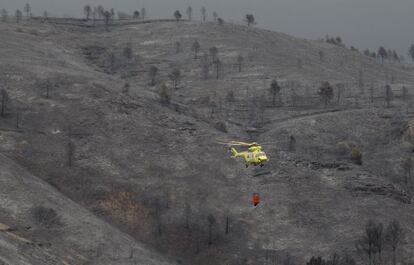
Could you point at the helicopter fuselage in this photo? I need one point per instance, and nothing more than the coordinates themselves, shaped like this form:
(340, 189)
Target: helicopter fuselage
(254, 156)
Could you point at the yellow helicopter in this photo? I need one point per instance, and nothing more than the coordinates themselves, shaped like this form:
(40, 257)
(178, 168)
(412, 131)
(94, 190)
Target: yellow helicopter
(253, 156)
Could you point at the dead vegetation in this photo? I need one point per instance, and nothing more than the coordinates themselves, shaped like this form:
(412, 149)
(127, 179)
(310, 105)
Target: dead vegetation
(46, 217)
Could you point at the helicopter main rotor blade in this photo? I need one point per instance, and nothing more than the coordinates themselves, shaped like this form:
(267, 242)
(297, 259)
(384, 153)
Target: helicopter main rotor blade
(232, 144)
(237, 143)
(245, 144)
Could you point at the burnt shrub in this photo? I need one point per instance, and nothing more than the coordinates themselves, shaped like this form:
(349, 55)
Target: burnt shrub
(350, 150)
(46, 217)
(344, 148)
(221, 126)
(356, 156)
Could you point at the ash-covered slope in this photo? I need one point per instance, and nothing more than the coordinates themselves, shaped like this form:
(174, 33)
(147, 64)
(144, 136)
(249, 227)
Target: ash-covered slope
(156, 171)
(41, 226)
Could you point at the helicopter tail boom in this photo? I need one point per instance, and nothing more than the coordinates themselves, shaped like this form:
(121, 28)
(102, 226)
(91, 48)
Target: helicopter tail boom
(234, 152)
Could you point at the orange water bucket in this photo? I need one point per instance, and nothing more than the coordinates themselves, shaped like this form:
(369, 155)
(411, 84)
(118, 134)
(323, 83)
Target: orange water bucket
(255, 199)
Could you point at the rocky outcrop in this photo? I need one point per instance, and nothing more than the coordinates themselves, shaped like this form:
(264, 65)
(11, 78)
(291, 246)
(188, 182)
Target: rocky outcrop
(409, 132)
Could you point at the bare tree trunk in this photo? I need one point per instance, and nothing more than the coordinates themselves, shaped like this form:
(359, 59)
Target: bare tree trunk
(158, 223)
(407, 176)
(227, 226)
(394, 258)
(210, 235)
(17, 119)
(370, 257)
(187, 213)
(98, 251)
(379, 257)
(338, 99)
(371, 91)
(3, 104)
(197, 250)
(292, 143)
(218, 68)
(131, 253)
(71, 151)
(47, 88)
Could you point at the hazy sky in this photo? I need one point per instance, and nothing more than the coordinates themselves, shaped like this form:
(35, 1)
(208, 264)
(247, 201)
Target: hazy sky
(362, 23)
